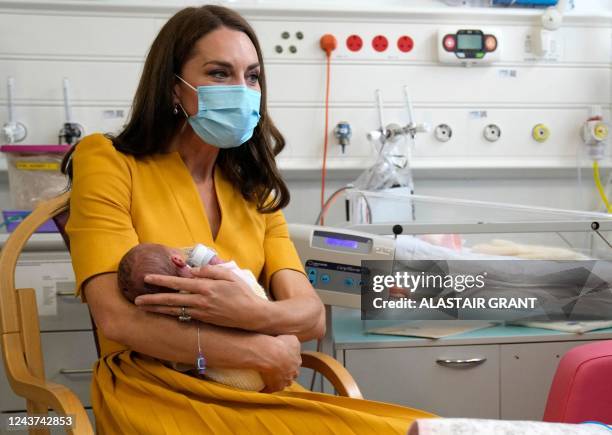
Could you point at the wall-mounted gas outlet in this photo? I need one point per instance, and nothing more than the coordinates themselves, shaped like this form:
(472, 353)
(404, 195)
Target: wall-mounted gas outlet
(540, 133)
(492, 132)
(443, 132)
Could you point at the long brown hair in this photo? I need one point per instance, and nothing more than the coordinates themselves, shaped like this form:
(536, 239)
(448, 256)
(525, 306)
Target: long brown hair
(251, 167)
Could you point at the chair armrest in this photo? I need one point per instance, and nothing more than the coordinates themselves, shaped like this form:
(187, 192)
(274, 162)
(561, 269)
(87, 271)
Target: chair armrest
(55, 396)
(333, 371)
(64, 401)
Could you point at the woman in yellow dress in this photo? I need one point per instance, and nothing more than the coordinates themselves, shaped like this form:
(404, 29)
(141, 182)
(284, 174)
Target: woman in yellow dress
(195, 164)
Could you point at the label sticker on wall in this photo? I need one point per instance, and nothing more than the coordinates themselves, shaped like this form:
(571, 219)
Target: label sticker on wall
(509, 73)
(477, 114)
(113, 114)
(37, 166)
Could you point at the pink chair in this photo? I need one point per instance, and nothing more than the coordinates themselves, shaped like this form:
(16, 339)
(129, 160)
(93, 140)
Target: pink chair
(582, 387)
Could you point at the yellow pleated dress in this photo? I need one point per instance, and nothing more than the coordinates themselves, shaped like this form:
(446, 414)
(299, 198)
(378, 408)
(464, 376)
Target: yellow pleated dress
(118, 201)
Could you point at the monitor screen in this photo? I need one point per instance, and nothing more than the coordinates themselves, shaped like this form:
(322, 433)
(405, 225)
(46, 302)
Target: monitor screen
(469, 42)
(332, 241)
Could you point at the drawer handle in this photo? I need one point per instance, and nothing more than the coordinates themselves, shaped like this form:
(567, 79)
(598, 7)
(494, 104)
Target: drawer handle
(65, 293)
(471, 362)
(75, 371)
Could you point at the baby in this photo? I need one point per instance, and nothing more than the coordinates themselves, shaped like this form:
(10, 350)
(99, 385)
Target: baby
(151, 258)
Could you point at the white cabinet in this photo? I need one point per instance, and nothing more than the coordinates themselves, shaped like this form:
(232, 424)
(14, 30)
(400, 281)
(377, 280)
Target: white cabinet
(453, 381)
(68, 358)
(507, 381)
(526, 374)
(67, 338)
(498, 372)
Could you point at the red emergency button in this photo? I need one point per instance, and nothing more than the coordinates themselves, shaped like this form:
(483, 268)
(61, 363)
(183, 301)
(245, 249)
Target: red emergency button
(490, 43)
(449, 42)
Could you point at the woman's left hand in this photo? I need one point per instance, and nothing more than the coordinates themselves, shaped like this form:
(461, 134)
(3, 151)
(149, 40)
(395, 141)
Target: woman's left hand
(216, 295)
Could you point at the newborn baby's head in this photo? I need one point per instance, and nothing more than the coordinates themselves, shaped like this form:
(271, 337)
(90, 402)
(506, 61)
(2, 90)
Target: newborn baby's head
(145, 259)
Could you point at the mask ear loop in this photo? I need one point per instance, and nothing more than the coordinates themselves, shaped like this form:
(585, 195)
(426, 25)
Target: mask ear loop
(185, 120)
(181, 79)
(179, 104)
(184, 111)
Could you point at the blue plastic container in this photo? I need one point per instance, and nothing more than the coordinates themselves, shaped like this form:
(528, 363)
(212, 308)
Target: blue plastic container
(12, 218)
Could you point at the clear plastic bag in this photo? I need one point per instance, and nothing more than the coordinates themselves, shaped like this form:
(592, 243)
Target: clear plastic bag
(34, 178)
(391, 169)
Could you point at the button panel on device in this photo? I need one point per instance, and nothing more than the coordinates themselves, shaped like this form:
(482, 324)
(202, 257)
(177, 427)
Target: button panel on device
(325, 275)
(312, 275)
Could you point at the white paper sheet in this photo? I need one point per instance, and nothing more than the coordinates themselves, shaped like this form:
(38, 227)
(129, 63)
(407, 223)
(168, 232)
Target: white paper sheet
(44, 276)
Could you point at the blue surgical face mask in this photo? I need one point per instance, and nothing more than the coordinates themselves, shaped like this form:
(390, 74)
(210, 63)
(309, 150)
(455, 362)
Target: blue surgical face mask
(227, 115)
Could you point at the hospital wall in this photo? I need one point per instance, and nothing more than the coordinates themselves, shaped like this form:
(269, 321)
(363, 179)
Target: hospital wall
(100, 47)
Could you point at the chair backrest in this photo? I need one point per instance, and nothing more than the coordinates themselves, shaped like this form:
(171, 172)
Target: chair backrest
(582, 387)
(20, 330)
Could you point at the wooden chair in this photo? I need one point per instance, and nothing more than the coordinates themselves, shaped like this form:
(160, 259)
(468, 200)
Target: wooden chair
(20, 334)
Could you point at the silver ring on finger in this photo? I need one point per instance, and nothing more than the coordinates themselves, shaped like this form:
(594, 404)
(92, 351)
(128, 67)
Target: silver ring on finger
(184, 316)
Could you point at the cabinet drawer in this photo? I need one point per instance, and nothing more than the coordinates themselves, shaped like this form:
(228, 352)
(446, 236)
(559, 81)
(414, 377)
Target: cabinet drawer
(527, 371)
(67, 353)
(68, 357)
(51, 275)
(451, 381)
(72, 314)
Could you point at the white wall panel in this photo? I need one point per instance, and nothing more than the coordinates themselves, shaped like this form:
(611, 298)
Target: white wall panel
(466, 148)
(41, 81)
(101, 45)
(441, 84)
(59, 35)
(44, 122)
(589, 44)
(102, 51)
(304, 84)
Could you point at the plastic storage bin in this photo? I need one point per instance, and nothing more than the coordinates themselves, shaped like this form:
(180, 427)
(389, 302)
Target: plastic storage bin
(34, 175)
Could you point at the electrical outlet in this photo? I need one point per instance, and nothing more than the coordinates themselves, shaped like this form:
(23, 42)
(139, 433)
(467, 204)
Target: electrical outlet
(354, 42)
(405, 43)
(380, 43)
(289, 42)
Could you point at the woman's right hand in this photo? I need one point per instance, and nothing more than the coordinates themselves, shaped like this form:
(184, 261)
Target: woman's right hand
(287, 364)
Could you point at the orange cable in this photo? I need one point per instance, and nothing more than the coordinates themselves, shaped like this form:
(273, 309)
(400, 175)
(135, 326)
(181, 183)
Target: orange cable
(325, 133)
